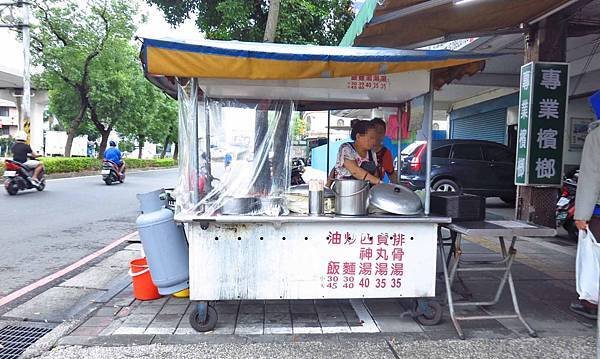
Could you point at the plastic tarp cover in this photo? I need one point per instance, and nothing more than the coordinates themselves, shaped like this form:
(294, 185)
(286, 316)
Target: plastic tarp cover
(237, 159)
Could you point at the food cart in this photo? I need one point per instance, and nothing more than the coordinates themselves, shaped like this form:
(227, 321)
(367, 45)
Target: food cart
(244, 243)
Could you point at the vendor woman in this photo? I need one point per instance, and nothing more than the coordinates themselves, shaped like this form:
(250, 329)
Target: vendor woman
(357, 160)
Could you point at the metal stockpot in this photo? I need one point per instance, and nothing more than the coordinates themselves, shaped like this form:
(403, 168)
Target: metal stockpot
(351, 197)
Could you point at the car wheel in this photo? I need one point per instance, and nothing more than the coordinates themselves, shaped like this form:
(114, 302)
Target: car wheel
(446, 185)
(511, 199)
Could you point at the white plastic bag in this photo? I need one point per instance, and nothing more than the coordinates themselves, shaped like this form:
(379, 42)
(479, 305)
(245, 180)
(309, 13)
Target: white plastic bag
(588, 267)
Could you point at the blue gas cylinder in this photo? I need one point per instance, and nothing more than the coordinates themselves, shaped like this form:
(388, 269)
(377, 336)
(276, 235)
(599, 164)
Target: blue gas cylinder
(164, 243)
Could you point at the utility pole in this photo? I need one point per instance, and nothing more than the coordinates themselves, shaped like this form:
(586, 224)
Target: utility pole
(26, 104)
(544, 41)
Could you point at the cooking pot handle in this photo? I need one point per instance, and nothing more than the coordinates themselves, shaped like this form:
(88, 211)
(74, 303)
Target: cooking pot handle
(351, 194)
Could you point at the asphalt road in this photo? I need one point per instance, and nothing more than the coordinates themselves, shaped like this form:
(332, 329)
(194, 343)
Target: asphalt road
(42, 232)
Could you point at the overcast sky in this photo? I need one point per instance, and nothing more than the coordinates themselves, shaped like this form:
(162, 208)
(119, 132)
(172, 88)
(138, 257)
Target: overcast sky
(12, 57)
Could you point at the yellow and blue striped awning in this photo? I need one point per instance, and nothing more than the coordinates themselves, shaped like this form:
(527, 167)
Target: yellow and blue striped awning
(265, 61)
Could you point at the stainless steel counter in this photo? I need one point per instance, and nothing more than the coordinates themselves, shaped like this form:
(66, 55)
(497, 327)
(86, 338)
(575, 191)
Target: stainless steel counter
(313, 219)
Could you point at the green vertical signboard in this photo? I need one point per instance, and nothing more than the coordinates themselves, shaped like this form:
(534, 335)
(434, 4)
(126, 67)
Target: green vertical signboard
(543, 104)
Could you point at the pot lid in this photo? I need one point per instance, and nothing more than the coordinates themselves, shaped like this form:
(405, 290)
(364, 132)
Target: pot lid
(395, 199)
(302, 189)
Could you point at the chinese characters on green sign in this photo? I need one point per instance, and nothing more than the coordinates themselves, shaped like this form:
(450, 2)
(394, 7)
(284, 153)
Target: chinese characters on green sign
(542, 112)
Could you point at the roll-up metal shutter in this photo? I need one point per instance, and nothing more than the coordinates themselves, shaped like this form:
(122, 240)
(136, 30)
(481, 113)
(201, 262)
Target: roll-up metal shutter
(489, 126)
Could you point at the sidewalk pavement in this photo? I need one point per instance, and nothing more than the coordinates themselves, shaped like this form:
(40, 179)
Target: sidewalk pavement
(113, 321)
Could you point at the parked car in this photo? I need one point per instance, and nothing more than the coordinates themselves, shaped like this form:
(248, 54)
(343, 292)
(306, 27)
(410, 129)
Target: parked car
(478, 167)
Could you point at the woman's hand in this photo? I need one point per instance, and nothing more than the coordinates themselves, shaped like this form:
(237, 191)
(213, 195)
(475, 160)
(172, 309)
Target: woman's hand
(581, 225)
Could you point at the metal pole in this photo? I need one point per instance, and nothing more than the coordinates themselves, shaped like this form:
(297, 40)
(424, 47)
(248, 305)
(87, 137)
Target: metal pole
(193, 123)
(399, 138)
(428, 120)
(26, 104)
(328, 139)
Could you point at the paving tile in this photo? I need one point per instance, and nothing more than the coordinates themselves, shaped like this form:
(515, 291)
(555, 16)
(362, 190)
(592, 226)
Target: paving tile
(234, 308)
(330, 328)
(251, 308)
(396, 324)
(95, 277)
(159, 330)
(306, 328)
(147, 309)
(278, 329)
(129, 330)
(185, 331)
(278, 308)
(122, 300)
(124, 311)
(138, 320)
(250, 318)
(114, 325)
(331, 316)
(248, 329)
(278, 318)
(174, 309)
(107, 311)
(160, 301)
(164, 321)
(87, 331)
(303, 308)
(55, 305)
(305, 318)
(98, 322)
(384, 308)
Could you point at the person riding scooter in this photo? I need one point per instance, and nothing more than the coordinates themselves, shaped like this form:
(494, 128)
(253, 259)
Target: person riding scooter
(114, 155)
(22, 152)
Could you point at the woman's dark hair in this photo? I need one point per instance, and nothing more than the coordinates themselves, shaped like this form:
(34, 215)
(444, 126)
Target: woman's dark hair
(378, 121)
(360, 127)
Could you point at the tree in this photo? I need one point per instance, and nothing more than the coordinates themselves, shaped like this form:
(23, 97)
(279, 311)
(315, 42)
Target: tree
(67, 40)
(115, 77)
(321, 22)
(149, 114)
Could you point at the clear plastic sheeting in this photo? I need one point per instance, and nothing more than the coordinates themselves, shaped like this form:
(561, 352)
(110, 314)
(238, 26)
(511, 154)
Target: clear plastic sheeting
(239, 157)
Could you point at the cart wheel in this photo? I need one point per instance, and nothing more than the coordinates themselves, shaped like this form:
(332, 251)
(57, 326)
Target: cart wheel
(206, 325)
(431, 314)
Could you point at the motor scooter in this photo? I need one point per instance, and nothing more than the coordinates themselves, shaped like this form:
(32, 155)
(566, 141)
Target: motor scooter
(18, 178)
(110, 173)
(565, 207)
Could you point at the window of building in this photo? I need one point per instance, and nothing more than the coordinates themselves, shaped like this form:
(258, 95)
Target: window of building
(4, 111)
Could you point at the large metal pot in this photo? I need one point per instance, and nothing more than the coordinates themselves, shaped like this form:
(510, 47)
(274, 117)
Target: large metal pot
(240, 205)
(351, 197)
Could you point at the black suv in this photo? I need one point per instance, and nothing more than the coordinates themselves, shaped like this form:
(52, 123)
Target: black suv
(479, 167)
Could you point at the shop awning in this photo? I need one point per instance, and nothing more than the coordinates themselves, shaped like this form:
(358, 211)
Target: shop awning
(407, 23)
(262, 61)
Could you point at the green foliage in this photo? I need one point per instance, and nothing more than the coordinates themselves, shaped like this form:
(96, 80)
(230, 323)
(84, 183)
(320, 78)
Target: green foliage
(300, 126)
(160, 162)
(76, 46)
(70, 164)
(80, 164)
(321, 22)
(6, 143)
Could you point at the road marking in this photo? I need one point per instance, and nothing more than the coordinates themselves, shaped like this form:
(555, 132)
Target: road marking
(98, 174)
(20, 292)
